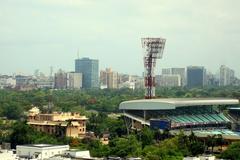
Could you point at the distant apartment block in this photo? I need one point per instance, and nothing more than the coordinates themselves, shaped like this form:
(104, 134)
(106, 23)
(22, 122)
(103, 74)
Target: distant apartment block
(226, 76)
(74, 80)
(59, 124)
(168, 80)
(60, 80)
(108, 78)
(25, 83)
(7, 81)
(90, 72)
(212, 79)
(196, 76)
(176, 71)
(69, 80)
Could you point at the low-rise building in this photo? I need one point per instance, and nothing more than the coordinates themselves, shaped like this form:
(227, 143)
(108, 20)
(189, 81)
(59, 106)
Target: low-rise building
(59, 124)
(40, 151)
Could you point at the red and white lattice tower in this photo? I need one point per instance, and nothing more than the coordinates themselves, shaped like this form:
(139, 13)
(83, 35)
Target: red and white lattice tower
(153, 50)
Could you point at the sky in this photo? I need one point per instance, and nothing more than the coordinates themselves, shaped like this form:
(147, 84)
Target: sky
(37, 34)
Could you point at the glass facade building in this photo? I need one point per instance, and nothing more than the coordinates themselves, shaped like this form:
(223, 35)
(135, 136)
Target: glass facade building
(196, 76)
(90, 72)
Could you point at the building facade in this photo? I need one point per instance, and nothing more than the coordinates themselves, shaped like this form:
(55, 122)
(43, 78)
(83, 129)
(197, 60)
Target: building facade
(59, 124)
(60, 80)
(176, 71)
(226, 76)
(40, 151)
(74, 80)
(169, 80)
(90, 72)
(109, 78)
(196, 76)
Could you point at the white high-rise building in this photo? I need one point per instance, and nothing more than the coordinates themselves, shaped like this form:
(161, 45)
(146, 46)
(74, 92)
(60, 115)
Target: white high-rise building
(74, 80)
(226, 76)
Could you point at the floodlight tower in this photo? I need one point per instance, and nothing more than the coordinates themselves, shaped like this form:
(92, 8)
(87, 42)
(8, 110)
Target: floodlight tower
(152, 50)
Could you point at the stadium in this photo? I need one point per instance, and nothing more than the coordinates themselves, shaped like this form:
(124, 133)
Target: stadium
(204, 116)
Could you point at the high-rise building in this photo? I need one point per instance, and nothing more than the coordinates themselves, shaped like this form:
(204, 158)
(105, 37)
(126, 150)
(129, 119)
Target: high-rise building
(168, 80)
(109, 78)
(74, 80)
(226, 76)
(196, 76)
(90, 72)
(176, 71)
(60, 80)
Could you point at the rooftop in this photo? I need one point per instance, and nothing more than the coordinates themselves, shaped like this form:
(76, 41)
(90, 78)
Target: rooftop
(43, 145)
(173, 103)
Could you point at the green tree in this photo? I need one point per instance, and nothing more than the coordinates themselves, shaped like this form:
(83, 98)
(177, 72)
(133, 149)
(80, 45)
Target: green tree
(124, 147)
(232, 152)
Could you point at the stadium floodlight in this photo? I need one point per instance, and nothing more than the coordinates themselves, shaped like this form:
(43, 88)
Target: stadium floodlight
(152, 50)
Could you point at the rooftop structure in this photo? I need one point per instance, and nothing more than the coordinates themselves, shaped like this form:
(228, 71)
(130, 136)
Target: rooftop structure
(40, 151)
(60, 124)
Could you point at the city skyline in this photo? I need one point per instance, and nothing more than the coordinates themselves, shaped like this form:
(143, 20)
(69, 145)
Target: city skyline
(39, 34)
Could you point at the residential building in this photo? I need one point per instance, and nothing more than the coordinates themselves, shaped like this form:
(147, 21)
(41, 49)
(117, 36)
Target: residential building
(196, 76)
(60, 80)
(168, 80)
(226, 76)
(7, 81)
(90, 72)
(74, 80)
(109, 78)
(59, 124)
(176, 71)
(212, 79)
(25, 83)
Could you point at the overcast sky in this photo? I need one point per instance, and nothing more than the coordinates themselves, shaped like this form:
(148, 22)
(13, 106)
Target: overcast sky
(37, 34)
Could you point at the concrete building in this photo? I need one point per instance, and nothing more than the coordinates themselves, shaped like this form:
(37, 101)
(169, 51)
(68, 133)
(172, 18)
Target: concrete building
(176, 71)
(7, 81)
(226, 76)
(90, 72)
(40, 151)
(74, 80)
(8, 155)
(196, 76)
(109, 78)
(59, 124)
(212, 79)
(169, 80)
(60, 80)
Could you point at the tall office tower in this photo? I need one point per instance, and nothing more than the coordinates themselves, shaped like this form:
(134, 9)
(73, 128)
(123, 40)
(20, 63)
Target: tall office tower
(196, 76)
(170, 80)
(90, 72)
(74, 80)
(109, 78)
(176, 71)
(226, 76)
(60, 80)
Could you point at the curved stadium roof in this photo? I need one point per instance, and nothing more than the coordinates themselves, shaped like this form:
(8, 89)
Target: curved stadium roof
(173, 103)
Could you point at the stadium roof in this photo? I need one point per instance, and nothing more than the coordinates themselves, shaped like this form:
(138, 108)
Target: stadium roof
(173, 103)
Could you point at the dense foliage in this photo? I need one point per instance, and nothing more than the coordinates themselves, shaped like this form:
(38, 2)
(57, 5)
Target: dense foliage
(13, 104)
(98, 106)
